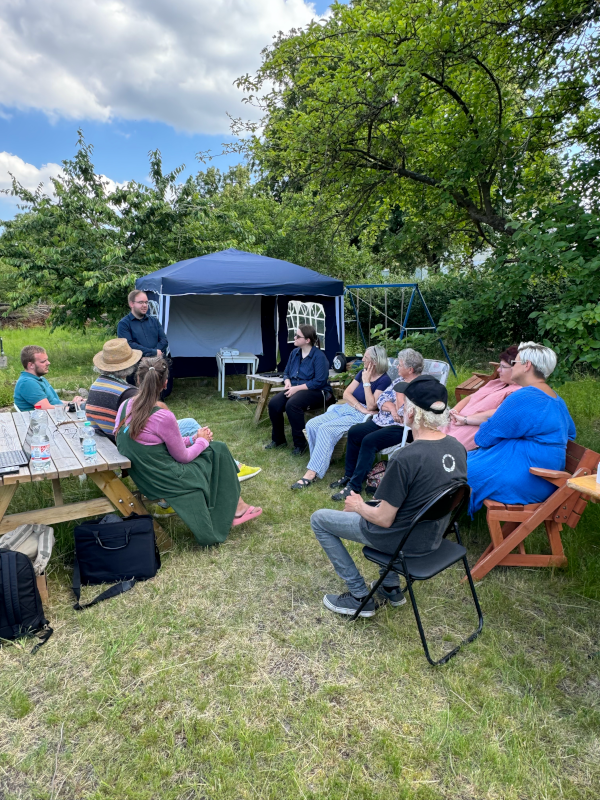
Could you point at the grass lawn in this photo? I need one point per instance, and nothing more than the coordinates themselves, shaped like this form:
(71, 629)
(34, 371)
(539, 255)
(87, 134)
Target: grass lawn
(225, 677)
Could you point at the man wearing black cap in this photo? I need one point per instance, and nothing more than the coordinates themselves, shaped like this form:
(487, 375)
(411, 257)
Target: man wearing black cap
(415, 474)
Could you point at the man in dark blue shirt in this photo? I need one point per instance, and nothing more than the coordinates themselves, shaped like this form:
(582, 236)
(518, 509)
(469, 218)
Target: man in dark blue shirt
(144, 332)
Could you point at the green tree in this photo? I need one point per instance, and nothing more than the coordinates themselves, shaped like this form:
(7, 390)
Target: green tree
(83, 249)
(455, 112)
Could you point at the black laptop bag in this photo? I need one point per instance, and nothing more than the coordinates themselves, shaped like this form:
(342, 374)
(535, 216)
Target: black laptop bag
(122, 551)
(21, 610)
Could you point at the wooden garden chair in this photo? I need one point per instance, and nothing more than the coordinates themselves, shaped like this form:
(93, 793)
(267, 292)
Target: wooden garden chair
(510, 525)
(475, 382)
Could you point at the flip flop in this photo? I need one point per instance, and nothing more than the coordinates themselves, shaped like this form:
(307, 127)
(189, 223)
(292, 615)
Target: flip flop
(250, 513)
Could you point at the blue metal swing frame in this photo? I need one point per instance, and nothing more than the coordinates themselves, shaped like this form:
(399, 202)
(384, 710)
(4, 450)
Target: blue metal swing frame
(416, 291)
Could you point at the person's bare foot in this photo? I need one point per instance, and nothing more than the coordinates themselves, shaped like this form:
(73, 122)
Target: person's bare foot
(310, 474)
(241, 508)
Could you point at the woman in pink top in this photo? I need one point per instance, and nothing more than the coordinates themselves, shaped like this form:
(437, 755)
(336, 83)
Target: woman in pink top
(195, 475)
(472, 411)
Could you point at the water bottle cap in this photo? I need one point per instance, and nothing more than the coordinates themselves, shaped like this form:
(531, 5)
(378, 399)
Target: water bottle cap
(38, 405)
(87, 423)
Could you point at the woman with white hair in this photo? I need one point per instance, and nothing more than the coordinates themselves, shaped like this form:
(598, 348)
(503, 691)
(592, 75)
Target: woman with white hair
(531, 428)
(325, 431)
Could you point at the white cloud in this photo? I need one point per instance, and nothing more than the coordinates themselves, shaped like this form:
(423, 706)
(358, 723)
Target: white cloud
(30, 176)
(173, 62)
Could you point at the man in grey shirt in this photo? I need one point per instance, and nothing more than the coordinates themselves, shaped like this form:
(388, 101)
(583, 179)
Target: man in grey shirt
(415, 474)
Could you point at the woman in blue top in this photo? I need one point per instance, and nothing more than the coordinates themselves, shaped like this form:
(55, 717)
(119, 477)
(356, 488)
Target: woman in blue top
(325, 431)
(531, 428)
(306, 386)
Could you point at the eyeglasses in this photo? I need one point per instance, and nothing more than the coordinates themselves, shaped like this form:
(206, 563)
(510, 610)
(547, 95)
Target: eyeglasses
(141, 302)
(512, 363)
(297, 336)
(505, 366)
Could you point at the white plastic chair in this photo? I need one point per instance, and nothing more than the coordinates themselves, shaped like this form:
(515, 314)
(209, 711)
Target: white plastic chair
(440, 371)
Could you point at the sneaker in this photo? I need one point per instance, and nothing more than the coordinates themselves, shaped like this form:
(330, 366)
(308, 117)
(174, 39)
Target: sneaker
(163, 510)
(392, 596)
(341, 482)
(298, 451)
(245, 472)
(347, 604)
(342, 494)
(273, 445)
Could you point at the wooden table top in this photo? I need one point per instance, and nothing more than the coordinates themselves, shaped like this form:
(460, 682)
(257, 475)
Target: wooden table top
(65, 449)
(587, 485)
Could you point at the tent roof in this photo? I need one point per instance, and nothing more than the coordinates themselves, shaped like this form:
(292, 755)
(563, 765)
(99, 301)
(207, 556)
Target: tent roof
(237, 272)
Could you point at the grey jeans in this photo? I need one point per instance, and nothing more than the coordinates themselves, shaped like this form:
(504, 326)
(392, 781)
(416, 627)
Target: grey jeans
(330, 527)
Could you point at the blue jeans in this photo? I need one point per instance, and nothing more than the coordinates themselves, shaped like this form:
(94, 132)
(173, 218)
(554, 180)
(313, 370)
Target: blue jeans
(187, 426)
(330, 527)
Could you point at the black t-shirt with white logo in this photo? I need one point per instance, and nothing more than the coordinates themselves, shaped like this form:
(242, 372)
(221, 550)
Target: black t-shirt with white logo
(414, 475)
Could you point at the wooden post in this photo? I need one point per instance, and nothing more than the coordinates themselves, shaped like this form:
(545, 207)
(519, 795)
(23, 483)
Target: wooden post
(57, 492)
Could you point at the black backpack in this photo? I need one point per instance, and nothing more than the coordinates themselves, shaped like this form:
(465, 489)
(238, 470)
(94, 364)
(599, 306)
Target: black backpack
(113, 549)
(21, 611)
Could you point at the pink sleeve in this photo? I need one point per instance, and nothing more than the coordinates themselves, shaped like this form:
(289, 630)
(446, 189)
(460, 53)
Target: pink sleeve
(165, 425)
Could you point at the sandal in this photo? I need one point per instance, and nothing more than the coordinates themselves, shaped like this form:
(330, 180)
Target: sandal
(250, 513)
(343, 494)
(302, 483)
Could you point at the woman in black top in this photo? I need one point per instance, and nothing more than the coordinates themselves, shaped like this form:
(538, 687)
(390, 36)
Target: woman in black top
(306, 386)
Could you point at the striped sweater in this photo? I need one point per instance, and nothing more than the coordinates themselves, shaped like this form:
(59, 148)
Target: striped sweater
(105, 396)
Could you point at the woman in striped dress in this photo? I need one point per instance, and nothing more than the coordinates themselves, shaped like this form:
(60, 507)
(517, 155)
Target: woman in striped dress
(324, 432)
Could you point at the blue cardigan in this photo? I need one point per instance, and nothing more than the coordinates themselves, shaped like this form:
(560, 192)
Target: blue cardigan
(529, 429)
(312, 370)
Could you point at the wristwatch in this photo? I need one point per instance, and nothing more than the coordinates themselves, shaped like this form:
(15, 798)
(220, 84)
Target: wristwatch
(366, 384)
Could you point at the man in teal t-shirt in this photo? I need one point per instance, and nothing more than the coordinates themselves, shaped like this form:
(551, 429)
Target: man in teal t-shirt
(32, 388)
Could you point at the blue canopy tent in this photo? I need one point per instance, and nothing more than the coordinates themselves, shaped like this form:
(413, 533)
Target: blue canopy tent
(238, 299)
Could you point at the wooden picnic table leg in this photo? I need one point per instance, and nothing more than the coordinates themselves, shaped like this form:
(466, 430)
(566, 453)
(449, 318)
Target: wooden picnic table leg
(57, 492)
(6, 495)
(120, 496)
(264, 396)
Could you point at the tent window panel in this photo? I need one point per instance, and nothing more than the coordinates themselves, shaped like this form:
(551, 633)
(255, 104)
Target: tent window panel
(299, 313)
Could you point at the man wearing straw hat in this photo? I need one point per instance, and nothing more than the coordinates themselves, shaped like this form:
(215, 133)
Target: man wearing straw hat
(116, 363)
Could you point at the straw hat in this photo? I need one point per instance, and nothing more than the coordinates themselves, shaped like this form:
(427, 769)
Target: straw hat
(116, 355)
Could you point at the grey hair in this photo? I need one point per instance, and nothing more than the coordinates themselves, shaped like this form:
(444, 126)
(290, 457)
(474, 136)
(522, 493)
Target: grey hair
(426, 419)
(542, 358)
(412, 360)
(378, 355)
(117, 373)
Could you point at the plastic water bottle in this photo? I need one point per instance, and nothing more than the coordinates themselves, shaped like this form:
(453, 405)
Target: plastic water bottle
(89, 444)
(40, 441)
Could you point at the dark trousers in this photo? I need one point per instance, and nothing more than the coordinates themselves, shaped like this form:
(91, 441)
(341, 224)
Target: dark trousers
(364, 441)
(295, 407)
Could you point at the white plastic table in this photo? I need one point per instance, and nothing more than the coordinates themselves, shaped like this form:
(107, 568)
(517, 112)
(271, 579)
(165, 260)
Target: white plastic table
(243, 358)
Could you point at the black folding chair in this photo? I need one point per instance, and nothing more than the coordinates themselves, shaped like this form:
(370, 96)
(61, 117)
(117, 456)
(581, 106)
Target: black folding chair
(447, 504)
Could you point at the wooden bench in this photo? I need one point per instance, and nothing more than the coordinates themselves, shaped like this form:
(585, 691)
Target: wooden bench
(475, 382)
(510, 525)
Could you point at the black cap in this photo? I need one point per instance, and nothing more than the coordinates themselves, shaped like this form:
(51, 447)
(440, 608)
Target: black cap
(424, 391)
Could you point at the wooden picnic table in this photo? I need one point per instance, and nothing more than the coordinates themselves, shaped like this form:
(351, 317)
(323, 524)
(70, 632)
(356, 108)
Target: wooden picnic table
(269, 382)
(67, 460)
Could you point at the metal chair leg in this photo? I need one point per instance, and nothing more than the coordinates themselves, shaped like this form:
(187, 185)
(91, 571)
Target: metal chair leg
(369, 596)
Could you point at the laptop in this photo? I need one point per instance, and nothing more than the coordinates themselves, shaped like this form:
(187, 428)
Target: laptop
(13, 460)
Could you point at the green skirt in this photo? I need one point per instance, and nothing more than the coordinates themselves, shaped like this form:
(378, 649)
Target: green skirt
(204, 493)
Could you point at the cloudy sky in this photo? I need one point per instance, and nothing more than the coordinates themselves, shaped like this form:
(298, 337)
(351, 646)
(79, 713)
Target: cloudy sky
(135, 75)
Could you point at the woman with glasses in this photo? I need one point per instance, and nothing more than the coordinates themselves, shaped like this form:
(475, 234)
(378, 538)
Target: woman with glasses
(306, 386)
(325, 431)
(531, 428)
(473, 411)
